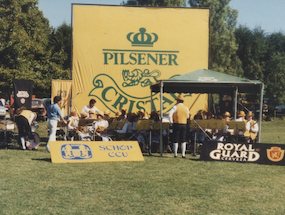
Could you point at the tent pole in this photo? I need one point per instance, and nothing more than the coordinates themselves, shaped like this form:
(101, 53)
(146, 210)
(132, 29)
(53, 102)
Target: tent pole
(260, 111)
(236, 97)
(151, 106)
(161, 117)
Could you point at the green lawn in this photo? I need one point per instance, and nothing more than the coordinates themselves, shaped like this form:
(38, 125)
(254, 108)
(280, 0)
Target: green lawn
(31, 184)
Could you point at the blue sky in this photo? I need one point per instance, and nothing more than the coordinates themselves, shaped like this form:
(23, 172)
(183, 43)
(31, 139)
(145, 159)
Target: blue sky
(267, 14)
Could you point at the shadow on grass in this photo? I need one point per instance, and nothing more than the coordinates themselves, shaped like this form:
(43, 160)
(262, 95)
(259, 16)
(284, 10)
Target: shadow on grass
(42, 159)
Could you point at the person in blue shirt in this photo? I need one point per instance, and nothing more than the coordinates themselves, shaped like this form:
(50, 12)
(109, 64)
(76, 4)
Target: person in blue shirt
(53, 115)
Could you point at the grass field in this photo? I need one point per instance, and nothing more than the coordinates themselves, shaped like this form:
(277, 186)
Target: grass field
(31, 184)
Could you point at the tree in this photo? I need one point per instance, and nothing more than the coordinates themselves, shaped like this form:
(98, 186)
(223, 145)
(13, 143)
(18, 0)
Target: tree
(164, 3)
(275, 78)
(274, 73)
(24, 52)
(60, 41)
(253, 47)
(223, 46)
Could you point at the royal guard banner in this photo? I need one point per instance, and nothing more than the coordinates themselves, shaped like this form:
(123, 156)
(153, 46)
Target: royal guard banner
(260, 153)
(23, 92)
(119, 51)
(94, 151)
(62, 88)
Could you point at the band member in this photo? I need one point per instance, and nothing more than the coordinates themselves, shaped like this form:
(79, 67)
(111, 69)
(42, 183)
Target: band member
(155, 134)
(91, 105)
(225, 133)
(91, 114)
(251, 127)
(54, 113)
(141, 114)
(107, 114)
(240, 133)
(99, 127)
(209, 116)
(83, 131)
(72, 125)
(123, 115)
(24, 120)
(179, 115)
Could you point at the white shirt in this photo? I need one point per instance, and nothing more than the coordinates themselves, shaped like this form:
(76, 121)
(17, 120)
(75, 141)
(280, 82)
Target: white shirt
(240, 119)
(75, 122)
(128, 128)
(87, 108)
(101, 123)
(254, 128)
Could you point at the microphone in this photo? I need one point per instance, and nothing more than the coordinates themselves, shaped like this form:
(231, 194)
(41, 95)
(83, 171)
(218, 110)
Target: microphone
(78, 93)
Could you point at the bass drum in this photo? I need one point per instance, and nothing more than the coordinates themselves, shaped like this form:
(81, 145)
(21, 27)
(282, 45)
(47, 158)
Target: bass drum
(37, 141)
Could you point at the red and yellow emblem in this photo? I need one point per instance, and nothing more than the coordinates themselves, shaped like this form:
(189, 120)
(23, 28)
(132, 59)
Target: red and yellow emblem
(275, 154)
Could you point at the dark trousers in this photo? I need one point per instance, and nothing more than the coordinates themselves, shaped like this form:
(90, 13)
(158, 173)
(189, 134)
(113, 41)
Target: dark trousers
(179, 133)
(24, 127)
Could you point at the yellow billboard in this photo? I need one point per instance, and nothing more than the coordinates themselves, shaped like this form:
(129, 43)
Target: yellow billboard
(94, 151)
(118, 52)
(62, 88)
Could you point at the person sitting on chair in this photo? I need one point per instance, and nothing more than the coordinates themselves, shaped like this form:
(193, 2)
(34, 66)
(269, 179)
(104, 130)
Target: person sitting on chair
(240, 133)
(141, 114)
(251, 127)
(129, 127)
(83, 131)
(99, 128)
(72, 125)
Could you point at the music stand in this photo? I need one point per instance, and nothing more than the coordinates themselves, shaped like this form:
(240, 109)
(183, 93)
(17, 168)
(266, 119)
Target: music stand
(86, 122)
(121, 124)
(165, 126)
(144, 124)
(199, 124)
(113, 125)
(237, 125)
(216, 124)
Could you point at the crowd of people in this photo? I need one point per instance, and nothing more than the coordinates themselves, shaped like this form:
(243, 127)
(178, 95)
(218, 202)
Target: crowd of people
(95, 125)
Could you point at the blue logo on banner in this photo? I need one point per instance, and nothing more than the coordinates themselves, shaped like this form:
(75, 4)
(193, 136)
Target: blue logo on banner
(76, 152)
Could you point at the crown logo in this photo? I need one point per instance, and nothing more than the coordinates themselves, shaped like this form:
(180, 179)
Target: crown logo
(142, 38)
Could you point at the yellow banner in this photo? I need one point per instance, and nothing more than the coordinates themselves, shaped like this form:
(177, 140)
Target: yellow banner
(118, 52)
(62, 88)
(95, 151)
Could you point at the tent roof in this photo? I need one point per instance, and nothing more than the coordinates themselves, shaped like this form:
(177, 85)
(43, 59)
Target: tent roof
(206, 81)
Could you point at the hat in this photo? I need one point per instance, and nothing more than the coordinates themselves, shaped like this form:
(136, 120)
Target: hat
(227, 114)
(91, 111)
(73, 113)
(107, 112)
(101, 113)
(241, 113)
(249, 113)
(180, 98)
(84, 114)
(140, 111)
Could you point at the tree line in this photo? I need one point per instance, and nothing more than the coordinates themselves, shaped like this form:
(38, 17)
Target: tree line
(31, 49)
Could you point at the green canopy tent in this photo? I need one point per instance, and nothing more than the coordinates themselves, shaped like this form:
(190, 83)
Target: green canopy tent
(208, 81)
